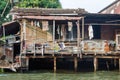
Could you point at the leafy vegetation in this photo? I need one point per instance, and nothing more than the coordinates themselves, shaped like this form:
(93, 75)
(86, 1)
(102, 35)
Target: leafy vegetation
(4, 10)
(25, 4)
(39, 3)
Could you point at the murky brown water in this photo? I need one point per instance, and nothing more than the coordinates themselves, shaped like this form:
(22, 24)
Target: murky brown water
(63, 75)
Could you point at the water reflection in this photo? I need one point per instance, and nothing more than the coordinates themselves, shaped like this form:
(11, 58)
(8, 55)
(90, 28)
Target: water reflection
(48, 75)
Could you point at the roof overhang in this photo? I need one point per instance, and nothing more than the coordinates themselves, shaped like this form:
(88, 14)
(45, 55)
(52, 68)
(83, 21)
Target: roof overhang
(49, 17)
(101, 19)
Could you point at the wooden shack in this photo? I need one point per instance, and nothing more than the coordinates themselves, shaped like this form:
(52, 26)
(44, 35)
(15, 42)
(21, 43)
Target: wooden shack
(63, 33)
(42, 26)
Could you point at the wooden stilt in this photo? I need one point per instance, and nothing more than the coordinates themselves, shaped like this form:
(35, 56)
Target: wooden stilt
(27, 64)
(119, 64)
(54, 64)
(53, 37)
(115, 62)
(95, 64)
(75, 64)
(107, 65)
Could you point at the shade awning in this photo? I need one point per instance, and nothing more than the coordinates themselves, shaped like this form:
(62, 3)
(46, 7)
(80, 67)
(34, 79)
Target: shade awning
(101, 19)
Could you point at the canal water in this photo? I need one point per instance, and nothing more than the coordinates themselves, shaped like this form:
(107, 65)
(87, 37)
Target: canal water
(62, 75)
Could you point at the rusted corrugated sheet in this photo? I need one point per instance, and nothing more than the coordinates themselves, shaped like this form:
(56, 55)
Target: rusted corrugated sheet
(97, 46)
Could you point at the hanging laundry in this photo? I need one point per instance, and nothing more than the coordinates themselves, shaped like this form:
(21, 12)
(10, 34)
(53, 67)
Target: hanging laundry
(38, 24)
(58, 29)
(35, 23)
(45, 25)
(70, 32)
(90, 29)
(70, 25)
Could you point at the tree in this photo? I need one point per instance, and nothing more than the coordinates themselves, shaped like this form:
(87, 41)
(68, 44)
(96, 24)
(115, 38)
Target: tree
(39, 3)
(4, 10)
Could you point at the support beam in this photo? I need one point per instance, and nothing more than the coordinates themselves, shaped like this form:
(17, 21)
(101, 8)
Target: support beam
(95, 64)
(54, 64)
(54, 36)
(78, 36)
(119, 64)
(107, 65)
(4, 39)
(83, 28)
(75, 64)
(115, 62)
(27, 64)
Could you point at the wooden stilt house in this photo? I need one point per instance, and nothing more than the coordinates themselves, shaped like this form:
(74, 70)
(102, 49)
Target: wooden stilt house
(55, 32)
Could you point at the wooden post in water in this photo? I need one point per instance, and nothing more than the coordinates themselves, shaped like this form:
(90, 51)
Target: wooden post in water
(75, 64)
(119, 64)
(54, 64)
(27, 64)
(95, 64)
(115, 62)
(78, 36)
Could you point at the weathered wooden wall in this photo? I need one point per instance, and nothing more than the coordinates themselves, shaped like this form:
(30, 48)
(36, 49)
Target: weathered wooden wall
(35, 34)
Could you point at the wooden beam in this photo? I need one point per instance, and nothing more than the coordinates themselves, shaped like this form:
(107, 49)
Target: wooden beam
(115, 62)
(27, 64)
(95, 64)
(4, 39)
(119, 64)
(54, 64)
(53, 36)
(51, 17)
(107, 65)
(83, 28)
(78, 35)
(75, 64)
(111, 57)
(111, 24)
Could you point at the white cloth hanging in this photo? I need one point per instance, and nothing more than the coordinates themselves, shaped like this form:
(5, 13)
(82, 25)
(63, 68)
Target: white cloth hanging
(90, 29)
(38, 24)
(70, 25)
(58, 29)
